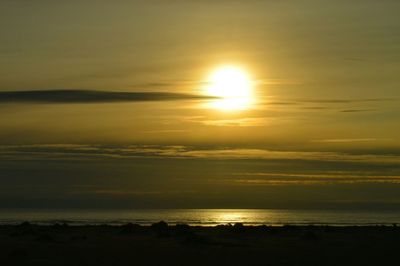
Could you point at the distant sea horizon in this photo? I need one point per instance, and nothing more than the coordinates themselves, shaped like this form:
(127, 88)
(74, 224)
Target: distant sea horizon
(201, 217)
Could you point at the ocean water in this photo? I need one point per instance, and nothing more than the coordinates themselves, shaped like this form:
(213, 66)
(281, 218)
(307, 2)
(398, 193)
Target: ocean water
(204, 217)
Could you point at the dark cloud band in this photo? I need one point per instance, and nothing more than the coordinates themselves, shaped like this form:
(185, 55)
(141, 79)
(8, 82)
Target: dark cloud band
(89, 96)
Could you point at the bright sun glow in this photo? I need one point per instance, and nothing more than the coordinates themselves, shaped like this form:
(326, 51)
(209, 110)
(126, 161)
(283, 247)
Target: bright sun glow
(233, 86)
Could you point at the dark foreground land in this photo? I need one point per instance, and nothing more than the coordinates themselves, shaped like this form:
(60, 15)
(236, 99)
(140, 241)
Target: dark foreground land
(161, 244)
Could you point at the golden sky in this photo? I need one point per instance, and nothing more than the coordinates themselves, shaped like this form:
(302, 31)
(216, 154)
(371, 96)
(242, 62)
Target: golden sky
(322, 79)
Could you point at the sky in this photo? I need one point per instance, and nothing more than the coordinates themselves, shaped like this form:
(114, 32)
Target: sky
(108, 104)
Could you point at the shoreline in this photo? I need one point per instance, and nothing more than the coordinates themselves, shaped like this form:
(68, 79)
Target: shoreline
(199, 225)
(163, 244)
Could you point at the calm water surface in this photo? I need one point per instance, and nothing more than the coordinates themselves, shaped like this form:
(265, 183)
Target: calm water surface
(206, 217)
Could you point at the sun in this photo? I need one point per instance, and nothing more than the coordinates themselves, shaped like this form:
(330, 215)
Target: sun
(232, 86)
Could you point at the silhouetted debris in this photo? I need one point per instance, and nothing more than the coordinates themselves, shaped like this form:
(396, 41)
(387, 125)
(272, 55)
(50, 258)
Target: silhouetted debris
(18, 254)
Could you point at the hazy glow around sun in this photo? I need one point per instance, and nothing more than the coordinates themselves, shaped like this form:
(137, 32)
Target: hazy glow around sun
(233, 86)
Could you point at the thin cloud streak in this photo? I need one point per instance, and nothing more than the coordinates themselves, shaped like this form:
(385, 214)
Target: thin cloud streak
(357, 110)
(328, 101)
(349, 140)
(333, 101)
(91, 96)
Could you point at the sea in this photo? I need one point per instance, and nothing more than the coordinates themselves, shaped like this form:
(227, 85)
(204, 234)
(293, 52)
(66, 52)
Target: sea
(201, 217)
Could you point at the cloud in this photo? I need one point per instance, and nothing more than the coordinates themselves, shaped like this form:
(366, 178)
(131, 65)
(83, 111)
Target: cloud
(357, 110)
(191, 165)
(163, 131)
(278, 82)
(88, 152)
(355, 59)
(171, 83)
(90, 96)
(281, 103)
(341, 177)
(239, 122)
(316, 107)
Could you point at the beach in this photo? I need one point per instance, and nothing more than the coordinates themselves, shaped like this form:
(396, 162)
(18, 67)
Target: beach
(163, 244)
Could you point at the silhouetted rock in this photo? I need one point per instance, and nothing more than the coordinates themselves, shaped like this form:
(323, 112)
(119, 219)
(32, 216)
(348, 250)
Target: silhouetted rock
(160, 225)
(25, 225)
(182, 226)
(130, 228)
(25, 228)
(262, 227)
(65, 225)
(60, 226)
(238, 228)
(161, 228)
(182, 229)
(238, 225)
(224, 226)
